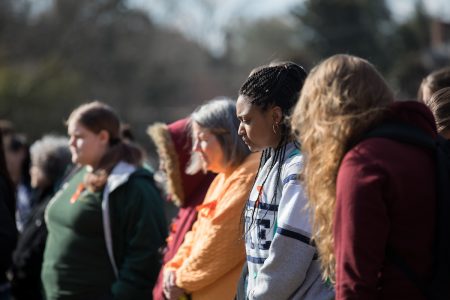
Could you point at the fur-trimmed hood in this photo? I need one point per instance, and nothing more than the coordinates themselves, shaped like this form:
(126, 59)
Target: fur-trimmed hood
(174, 145)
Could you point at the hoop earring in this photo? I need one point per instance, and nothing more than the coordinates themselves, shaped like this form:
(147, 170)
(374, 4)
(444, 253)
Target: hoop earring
(275, 128)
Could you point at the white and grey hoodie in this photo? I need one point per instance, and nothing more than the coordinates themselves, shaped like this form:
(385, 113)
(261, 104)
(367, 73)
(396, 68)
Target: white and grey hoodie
(282, 263)
(119, 176)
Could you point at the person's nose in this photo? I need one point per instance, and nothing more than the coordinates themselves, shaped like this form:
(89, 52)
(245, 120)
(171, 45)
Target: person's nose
(241, 129)
(196, 146)
(72, 141)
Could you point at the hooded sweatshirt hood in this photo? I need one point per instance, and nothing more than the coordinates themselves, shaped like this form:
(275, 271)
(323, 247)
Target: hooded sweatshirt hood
(174, 145)
(414, 113)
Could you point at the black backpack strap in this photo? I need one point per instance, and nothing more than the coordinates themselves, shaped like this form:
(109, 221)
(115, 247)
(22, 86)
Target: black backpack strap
(440, 285)
(404, 133)
(403, 266)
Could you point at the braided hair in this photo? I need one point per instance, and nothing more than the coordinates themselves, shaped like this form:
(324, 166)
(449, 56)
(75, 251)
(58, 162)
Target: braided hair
(279, 85)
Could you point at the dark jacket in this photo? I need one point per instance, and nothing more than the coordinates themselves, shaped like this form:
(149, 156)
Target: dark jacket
(138, 230)
(28, 256)
(8, 231)
(134, 230)
(386, 197)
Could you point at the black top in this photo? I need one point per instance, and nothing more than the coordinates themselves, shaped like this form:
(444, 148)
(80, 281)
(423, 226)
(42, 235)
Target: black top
(8, 231)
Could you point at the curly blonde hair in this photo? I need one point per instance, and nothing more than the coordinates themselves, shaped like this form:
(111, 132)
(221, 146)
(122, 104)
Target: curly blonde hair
(342, 98)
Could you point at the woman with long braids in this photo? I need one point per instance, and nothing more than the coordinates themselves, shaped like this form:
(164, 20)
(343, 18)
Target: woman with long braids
(106, 225)
(368, 195)
(282, 262)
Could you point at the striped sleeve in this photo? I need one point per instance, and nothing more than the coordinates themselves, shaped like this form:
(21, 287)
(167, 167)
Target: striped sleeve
(291, 251)
(293, 211)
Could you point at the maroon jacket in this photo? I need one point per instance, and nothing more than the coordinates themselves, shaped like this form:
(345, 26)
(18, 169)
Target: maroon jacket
(386, 195)
(185, 190)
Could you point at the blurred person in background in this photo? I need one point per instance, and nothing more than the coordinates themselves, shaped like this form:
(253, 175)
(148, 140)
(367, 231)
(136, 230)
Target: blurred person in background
(186, 191)
(439, 104)
(106, 225)
(208, 263)
(18, 162)
(50, 162)
(126, 133)
(8, 231)
(435, 81)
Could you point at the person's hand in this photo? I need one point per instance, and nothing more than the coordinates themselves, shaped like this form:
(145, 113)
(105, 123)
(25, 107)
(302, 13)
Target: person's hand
(166, 281)
(170, 288)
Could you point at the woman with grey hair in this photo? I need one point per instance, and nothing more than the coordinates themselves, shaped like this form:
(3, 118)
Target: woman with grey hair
(219, 116)
(50, 160)
(208, 263)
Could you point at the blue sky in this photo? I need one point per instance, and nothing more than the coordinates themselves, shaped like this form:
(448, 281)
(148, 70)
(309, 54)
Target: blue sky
(262, 8)
(204, 20)
(402, 8)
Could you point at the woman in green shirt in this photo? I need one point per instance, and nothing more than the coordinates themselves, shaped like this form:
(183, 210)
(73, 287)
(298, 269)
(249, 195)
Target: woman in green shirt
(106, 224)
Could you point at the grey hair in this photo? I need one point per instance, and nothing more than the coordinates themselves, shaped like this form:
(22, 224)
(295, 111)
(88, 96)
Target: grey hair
(219, 116)
(52, 155)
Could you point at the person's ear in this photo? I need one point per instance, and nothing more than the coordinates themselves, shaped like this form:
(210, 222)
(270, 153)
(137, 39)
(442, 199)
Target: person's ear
(277, 114)
(104, 137)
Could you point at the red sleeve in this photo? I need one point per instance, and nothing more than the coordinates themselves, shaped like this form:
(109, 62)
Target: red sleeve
(361, 226)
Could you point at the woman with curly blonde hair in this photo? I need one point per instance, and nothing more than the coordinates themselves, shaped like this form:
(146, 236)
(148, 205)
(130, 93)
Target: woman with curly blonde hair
(365, 194)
